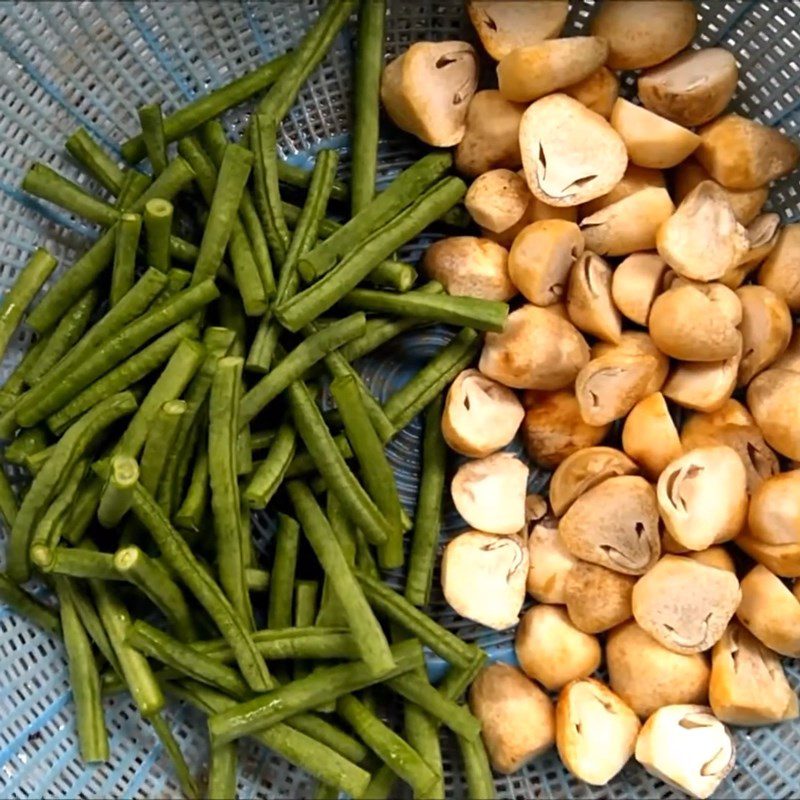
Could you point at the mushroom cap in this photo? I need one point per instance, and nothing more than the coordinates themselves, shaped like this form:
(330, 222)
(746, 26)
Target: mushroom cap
(762, 235)
(702, 386)
(550, 563)
(716, 556)
(598, 92)
(685, 605)
(782, 559)
(643, 33)
(553, 428)
(649, 435)
(702, 240)
(790, 358)
(774, 513)
(614, 524)
(636, 283)
(489, 493)
(541, 259)
(483, 578)
(692, 88)
(595, 731)
(480, 415)
(536, 349)
(528, 73)
(766, 329)
(535, 212)
(497, 199)
(748, 685)
(582, 471)
(426, 90)
(638, 343)
(772, 400)
(694, 510)
(781, 270)
(468, 266)
(517, 718)
(589, 302)
(597, 598)
(688, 748)
(634, 180)
(504, 26)
(741, 153)
(647, 676)
(652, 141)
(570, 154)
(551, 650)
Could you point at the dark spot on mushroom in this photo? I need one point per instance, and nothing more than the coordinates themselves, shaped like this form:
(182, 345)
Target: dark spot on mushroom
(444, 61)
(488, 21)
(639, 528)
(595, 399)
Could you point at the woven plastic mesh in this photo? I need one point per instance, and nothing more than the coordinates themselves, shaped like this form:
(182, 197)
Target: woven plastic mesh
(92, 64)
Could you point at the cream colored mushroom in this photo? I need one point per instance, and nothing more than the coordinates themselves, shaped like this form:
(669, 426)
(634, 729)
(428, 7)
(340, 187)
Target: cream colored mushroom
(781, 271)
(702, 240)
(634, 180)
(497, 199)
(551, 650)
(468, 266)
(762, 234)
(517, 718)
(597, 598)
(528, 73)
(504, 26)
(535, 212)
(770, 611)
(636, 283)
(702, 386)
(595, 731)
(483, 578)
(643, 33)
(614, 524)
(692, 88)
(649, 435)
(772, 400)
(685, 605)
(693, 508)
(790, 359)
(570, 154)
(541, 259)
(782, 559)
(553, 428)
(536, 349)
(589, 302)
(490, 493)
(748, 685)
(550, 563)
(716, 556)
(427, 90)
(598, 92)
(582, 471)
(688, 748)
(647, 676)
(766, 329)
(638, 343)
(774, 513)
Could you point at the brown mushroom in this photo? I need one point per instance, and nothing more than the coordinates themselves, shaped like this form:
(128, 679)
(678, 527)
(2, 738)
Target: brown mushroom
(772, 400)
(782, 559)
(774, 513)
(781, 270)
(790, 358)
(636, 283)
(634, 180)
(766, 329)
(639, 344)
(497, 199)
(716, 556)
(649, 435)
(702, 386)
(598, 92)
(762, 234)
(589, 302)
(535, 212)
(550, 563)
(597, 598)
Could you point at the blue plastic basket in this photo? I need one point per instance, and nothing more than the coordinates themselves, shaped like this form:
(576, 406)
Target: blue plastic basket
(92, 64)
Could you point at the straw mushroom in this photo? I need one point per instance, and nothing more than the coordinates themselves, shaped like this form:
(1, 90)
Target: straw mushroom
(688, 748)
(649, 435)
(483, 578)
(598, 92)
(570, 154)
(550, 563)
(427, 90)
(497, 199)
(716, 556)
(528, 73)
(504, 26)
(551, 650)
(703, 386)
(634, 180)
(535, 212)
(772, 400)
(536, 349)
(774, 513)
(781, 271)
(748, 685)
(636, 283)
(614, 524)
(647, 676)
(517, 718)
(766, 329)
(595, 731)
(692, 88)
(468, 266)
(643, 33)
(597, 598)
(790, 359)
(762, 235)
(770, 611)
(638, 343)
(685, 605)
(782, 559)
(589, 302)
(741, 153)
(490, 493)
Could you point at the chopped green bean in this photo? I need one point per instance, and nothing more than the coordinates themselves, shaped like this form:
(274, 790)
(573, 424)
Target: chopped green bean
(27, 606)
(267, 189)
(257, 579)
(262, 349)
(153, 135)
(422, 733)
(117, 496)
(305, 611)
(174, 179)
(478, 772)
(95, 160)
(159, 442)
(270, 473)
(222, 764)
(28, 442)
(287, 543)
(183, 773)
(134, 185)
(75, 562)
(177, 279)
(381, 785)
(158, 215)
(83, 509)
(8, 500)
(191, 511)
(52, 524)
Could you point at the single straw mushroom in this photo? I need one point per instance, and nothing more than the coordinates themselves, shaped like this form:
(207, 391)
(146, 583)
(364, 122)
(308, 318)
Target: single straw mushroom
(647, 676)
(541, 259)
(517, 718)
(536, 349)
(504, 26)
(639, 344)
(692, 88)
(702, 240)
(595, 731)
(688, 748)
(762, 235)
(489, 493)
(589, 302)
(685, 605)
(772, 400)
(634, 180)
(649, 435)
(716, 556)
(480, 416)
(550, 563)
(553, 428)
(614, 524)
(766, 329)
(598, 92)
(741, 153)
(748, 685)
(781, 270)
(570, 154)
(552, 651)
(528, 73)
(770, 611)
(535, 212)
(597, 598)
(774, 513)
(483, 578)
(636, 283)
(497, 199)
(426, 90)
(468, 266)
(790, 359)
(702, 386)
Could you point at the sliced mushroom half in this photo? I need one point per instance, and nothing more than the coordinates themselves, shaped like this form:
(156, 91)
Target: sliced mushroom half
(636, 283)
(638, 343)
(598, 92)
(781, 270)
(766, 330)
(782, 559)
(790, 358)
(497, 199)
(717, 557)
(597, 598)
(550, 563)
(634, 180)
(774, 513)
(762, 233)
(649, 435)
(702, 386)
(589, 302)
(772, 400)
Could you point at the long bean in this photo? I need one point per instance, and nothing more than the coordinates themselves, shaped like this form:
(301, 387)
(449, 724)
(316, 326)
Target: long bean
(75, 562)
(267, 189)
(28, 442)
(177, 279)
(222, 764)
(477, 770)
(174, 179)
(159, 442)
(122, 274)
(134, 185)
(158, 215)
(270, 473)
(17, 380)
(381, 785)
(95, 160)
(8, 500)
(170, 743)
(330, 609)
(51, 526)
(117, 496)
(155, 142)
(264, 344)
(281, 587)
(83, 509)
(257, 579)
(27, 606)
(191, 510)
(422, 733)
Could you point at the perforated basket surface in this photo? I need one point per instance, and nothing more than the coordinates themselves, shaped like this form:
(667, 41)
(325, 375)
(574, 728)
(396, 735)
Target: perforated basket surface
(92, 64)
